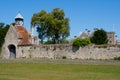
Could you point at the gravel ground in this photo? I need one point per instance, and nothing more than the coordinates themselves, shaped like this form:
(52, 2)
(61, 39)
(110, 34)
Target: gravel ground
(100, 62)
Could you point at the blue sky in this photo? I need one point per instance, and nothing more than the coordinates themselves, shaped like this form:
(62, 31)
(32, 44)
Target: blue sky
(83, 14)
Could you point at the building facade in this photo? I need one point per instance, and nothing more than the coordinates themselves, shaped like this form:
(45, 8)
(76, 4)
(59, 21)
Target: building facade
(111, 38)
(17, 40)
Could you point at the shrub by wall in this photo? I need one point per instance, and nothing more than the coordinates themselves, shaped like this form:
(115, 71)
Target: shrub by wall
(77, 42)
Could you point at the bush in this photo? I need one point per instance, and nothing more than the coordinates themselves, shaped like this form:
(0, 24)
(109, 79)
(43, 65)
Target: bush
(64, 42)
(85, 42)
(117, 58)
(77, 42)
(64, 57)
(49, 42)
(61, 41)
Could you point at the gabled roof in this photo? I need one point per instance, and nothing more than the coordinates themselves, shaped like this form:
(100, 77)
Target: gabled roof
(23, 35)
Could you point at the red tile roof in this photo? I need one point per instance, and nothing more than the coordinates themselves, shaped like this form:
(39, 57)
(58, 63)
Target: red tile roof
(23, 35)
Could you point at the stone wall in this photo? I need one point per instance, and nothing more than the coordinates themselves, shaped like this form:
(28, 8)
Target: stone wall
(50, 51)
(97, 53)
(60, 51)
(23, 52)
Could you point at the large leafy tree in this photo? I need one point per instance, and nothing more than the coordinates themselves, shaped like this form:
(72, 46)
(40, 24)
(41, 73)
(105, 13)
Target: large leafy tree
(99, 37)
(3, 30)
(60, 26)
(51, 25)
(39, 20)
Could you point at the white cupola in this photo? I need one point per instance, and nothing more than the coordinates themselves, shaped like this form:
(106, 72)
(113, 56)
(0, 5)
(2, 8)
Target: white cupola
(19, 21)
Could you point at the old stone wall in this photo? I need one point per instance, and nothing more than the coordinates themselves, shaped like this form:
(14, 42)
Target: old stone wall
(23, 52)
(60, 51)
(67, 51)
(97, 53)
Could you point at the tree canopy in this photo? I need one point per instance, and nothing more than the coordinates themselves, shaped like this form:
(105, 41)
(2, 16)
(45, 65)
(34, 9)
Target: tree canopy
(53, 25)
(99, 37)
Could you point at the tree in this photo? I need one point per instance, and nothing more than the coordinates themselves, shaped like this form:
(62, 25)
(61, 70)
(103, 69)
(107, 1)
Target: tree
(38, 20)
(99, 37)
(51, 25)
(60, 26)
(3, 30)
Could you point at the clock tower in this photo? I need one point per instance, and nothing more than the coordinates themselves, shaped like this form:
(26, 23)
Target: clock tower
(19, 21)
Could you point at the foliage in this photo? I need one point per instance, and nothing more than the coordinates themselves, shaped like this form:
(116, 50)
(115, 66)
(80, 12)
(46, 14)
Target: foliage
(64, 57)
(52, 42)
(38, 20)
(49, 42)
(64, 41)
(51, 25)
(13, 24)
(3, 30)
(77, 42)
(117, 58)
(99, 37)
(85, 42)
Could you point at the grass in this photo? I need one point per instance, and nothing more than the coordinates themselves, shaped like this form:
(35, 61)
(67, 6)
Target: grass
(58, 71)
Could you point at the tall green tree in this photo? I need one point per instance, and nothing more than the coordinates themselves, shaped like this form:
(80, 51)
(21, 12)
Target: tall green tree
(39, 20)
(99, 37)
(52, 25)
(60, 26)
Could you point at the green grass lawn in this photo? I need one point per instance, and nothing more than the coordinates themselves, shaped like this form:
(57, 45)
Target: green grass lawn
(58, 71)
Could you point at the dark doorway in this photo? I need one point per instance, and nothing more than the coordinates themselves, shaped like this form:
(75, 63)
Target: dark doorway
(12, 50)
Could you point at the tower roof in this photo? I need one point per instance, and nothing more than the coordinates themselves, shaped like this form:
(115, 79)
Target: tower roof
(19, 16)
